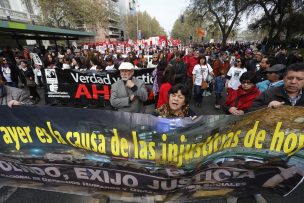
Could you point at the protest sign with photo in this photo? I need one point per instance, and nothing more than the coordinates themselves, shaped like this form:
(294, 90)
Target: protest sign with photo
(90, 88)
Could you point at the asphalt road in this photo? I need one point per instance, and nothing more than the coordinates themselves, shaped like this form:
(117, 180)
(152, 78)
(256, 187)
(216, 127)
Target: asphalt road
(17, 195)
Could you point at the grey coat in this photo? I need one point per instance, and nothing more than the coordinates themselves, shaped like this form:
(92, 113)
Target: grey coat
(17, 94)
(120, 96)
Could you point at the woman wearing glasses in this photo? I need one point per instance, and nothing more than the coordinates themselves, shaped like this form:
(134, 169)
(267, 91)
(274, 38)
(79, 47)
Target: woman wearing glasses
(239, 101)
(234, 74)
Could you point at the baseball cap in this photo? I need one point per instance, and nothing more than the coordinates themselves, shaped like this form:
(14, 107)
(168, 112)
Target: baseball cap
(126, 66)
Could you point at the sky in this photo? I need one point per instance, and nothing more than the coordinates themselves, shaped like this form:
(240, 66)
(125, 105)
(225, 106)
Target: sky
(165, 11)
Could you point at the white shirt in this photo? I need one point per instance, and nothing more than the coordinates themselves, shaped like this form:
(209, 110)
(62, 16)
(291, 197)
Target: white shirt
(200, 72)
(235, 74)
(66, 66)
(7, 73)
(93, 68)
(110, 67)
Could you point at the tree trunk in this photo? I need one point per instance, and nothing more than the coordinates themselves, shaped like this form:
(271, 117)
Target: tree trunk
(224, 40)
(288, 34)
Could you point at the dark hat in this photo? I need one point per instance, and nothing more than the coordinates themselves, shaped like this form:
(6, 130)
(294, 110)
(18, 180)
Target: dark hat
(276, 68)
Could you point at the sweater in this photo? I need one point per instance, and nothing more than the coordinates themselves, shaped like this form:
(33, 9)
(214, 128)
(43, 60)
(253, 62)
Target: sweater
(240, 98)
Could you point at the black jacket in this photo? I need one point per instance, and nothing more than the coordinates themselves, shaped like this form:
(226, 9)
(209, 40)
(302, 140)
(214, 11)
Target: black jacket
(274, 94)
(180, 71)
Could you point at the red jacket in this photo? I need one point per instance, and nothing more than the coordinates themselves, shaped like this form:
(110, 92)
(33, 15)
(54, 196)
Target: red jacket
(191, 61)
(218, 65)
(240, 98)
(163, 94)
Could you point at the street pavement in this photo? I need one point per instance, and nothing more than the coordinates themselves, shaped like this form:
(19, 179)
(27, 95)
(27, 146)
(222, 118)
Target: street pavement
(11, 195)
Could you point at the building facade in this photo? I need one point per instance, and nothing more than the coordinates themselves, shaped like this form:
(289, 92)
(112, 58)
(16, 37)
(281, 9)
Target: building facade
(20, 25)
(19, 10)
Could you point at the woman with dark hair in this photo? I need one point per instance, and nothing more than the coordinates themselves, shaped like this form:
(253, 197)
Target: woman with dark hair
(10, 72)
(158, 73)
(132, 58)
(110, 63)
(178, 103)
(30, 81)
(239, 101)
(77, 65)
(162, 56)
(234, 75)
(94, 64)
(66, 63)
(142, 62)
(49, 61)
(167, 82)
(201, 72)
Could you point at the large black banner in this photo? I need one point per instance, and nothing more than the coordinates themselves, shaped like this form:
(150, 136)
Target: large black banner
(87, 88)
(124, 154)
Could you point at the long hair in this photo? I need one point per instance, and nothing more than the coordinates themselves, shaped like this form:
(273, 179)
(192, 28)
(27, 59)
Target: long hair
(169, 75)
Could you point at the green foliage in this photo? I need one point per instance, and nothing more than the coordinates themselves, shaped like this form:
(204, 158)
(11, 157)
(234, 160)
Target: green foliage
(58, 13)
(188, 28)
(226, 13)
(149, 26)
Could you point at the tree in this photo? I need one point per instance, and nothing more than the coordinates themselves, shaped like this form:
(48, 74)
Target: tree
(226, 13)
(89, 13)
(182, 31)
(281, 17)
(186, 25)
(148, 26)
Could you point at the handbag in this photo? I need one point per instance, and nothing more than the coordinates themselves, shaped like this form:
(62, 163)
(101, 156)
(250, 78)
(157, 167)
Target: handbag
(204, 85)
(30, 83)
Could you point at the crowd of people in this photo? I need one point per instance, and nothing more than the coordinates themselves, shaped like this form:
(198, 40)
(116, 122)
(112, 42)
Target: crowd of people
(240, 76)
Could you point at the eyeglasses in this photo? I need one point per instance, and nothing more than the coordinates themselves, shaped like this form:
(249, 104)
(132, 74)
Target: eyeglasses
(238, 61)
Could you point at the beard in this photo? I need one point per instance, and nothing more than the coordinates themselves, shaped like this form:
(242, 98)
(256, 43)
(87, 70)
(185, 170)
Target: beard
(124, 78)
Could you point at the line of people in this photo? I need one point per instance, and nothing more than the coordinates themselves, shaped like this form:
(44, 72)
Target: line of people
(242, 73)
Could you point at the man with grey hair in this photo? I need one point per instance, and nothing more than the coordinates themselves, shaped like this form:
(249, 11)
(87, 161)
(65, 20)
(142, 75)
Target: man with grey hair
(129, 93)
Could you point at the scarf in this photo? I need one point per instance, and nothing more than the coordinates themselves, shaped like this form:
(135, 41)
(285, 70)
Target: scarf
(165, 111)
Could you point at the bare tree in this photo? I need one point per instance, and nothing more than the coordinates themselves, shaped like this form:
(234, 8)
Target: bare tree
(279, 16)
(226, 13)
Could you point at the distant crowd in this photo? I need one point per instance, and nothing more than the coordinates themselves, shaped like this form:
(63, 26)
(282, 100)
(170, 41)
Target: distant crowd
(239, 76)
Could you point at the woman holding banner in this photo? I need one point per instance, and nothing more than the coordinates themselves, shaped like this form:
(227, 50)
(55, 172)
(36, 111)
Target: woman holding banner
(178, 104)
(239, 101)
